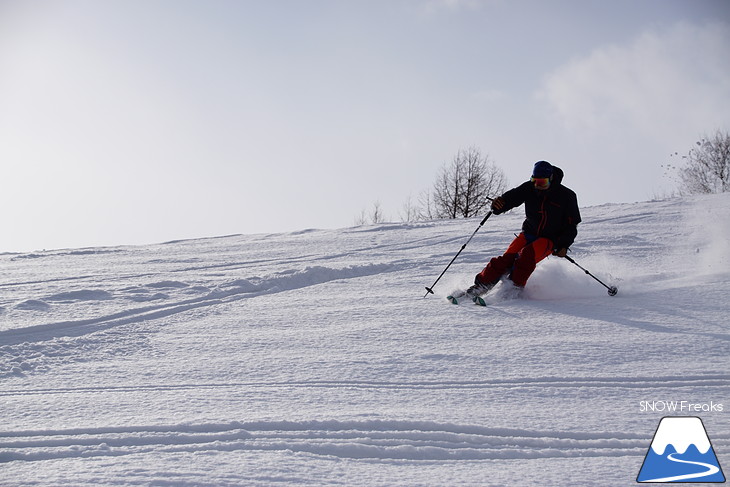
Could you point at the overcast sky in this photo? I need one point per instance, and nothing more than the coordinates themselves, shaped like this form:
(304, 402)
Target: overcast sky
(141, 121)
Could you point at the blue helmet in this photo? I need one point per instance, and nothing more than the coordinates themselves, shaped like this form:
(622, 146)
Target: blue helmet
(542, 169)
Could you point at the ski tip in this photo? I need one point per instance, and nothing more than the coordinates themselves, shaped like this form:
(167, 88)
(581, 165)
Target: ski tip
(480, 301)
(452, 300)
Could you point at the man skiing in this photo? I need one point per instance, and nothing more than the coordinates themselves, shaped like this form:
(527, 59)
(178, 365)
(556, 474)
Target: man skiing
(550, 227)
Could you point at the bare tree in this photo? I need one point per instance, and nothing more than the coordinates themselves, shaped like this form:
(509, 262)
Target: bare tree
(705, 168)
(376, 215)
(361, 219)
(427, 208)
(460, 191)
(409, 212)
(462, 187)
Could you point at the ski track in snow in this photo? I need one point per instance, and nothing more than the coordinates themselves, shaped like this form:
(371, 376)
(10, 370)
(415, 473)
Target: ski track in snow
(279, 359)
(384, 440)
(546, 382)
(227, 292)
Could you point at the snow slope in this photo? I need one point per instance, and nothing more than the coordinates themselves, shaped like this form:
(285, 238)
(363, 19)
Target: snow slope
(312, 358)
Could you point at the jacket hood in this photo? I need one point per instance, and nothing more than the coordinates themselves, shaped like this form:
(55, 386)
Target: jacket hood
(557, 175)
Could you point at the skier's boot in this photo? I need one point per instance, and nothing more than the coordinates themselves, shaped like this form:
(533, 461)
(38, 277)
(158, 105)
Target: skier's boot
(479, 289)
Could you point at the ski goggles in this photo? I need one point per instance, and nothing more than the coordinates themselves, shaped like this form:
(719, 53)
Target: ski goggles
(540, 183)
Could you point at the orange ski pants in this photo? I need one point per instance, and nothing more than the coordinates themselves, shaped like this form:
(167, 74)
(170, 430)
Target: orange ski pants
(520, 260)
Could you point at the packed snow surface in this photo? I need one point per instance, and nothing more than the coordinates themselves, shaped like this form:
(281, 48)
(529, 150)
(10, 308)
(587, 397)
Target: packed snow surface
(313, 358)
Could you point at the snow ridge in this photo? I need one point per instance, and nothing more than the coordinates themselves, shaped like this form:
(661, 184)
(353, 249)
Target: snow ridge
(383, 440)
(223, 293)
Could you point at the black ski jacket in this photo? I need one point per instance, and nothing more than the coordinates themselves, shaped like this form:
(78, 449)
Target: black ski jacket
(552, 213)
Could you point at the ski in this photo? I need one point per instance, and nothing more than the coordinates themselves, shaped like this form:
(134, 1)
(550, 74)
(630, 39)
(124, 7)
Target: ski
(457, 297)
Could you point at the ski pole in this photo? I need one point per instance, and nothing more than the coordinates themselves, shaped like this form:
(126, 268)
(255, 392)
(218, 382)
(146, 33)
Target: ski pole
(429, 290)
(612, 290)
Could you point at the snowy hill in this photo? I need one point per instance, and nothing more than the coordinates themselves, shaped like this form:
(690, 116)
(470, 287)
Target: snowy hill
(312, 358)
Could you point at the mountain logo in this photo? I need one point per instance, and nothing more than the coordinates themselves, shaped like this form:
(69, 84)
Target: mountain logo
(681, 452)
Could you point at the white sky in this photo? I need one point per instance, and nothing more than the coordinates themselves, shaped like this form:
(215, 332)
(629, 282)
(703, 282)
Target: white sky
(140, 121)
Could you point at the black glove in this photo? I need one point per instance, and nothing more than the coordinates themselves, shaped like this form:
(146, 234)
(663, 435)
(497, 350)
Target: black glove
(562, 252)
(498, 204)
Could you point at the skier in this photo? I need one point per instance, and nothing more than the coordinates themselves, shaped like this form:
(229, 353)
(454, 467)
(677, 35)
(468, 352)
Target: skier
(550, 227)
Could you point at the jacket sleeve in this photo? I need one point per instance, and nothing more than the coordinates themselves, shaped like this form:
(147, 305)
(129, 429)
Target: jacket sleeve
(570, 225)
(515, 197)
